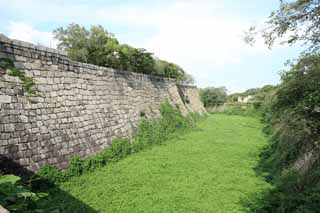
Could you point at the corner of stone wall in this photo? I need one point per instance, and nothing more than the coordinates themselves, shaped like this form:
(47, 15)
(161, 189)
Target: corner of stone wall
(190, 96)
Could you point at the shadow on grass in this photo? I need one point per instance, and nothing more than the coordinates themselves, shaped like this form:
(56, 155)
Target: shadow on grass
(260, 202)
(290, 192)
(52, 198)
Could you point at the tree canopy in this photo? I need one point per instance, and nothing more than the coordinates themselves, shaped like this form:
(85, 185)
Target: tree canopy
(100, 47)
(213, 96)
(258, 94)
(294, 21)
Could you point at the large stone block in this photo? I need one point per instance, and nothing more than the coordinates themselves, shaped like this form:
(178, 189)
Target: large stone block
(5, 99)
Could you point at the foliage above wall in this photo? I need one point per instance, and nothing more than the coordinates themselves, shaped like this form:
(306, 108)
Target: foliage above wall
(100, 47)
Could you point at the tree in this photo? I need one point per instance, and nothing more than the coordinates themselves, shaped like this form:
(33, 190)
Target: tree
(293, 112)
(73, 39)
(172, 70)
(187, 79)
(294, 21)
(300, 88)
(258, 94)
(98, 46)
(142, 61)
(212, 96)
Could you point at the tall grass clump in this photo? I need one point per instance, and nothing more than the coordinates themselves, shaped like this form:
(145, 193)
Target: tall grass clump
(157, 131)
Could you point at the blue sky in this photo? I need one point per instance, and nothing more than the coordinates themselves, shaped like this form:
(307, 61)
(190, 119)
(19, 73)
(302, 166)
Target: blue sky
(202, 36)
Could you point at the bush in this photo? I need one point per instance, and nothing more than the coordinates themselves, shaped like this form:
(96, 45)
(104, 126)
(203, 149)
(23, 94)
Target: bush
(118, 149)
(157, 131)
(292, 116)
(46, 177)
(293, 112)
(76, 167)
(212, 96)
(91, 163)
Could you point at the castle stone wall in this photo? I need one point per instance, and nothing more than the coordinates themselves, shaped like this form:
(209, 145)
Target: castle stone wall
(78, 109)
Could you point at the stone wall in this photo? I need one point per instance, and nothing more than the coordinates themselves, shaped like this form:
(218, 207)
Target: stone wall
(190, 96)
(77, 108)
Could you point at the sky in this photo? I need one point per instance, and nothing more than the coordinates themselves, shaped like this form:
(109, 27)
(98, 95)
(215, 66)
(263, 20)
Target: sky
(205, 37)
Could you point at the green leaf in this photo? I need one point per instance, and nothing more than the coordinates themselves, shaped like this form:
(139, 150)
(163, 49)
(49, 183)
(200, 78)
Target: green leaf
(9, 179)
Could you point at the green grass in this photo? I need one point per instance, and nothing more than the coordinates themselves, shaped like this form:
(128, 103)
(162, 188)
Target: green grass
(210, 169)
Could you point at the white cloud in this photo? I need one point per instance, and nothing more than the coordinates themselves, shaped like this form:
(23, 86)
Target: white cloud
(25, 32)
(191, 35)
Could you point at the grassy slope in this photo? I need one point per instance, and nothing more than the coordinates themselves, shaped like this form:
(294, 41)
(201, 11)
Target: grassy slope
(210, 169)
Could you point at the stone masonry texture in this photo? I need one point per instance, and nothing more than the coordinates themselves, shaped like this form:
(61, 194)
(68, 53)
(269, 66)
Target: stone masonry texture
(78, 108)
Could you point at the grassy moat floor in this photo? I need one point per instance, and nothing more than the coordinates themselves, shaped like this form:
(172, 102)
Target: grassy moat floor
(210, 169)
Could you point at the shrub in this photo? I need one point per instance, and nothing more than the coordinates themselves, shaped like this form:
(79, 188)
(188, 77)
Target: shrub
(118, 149)
(157, 131)
(91, 163)
(292, 116)
(46, 177)
(212, 96)
(75, 167)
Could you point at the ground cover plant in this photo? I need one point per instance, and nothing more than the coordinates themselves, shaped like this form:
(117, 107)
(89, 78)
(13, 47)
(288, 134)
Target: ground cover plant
(210, 169)
(150, 132)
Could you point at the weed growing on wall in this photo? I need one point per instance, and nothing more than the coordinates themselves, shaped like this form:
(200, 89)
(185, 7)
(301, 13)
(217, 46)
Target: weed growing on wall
(6, 63)
(28, 82)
